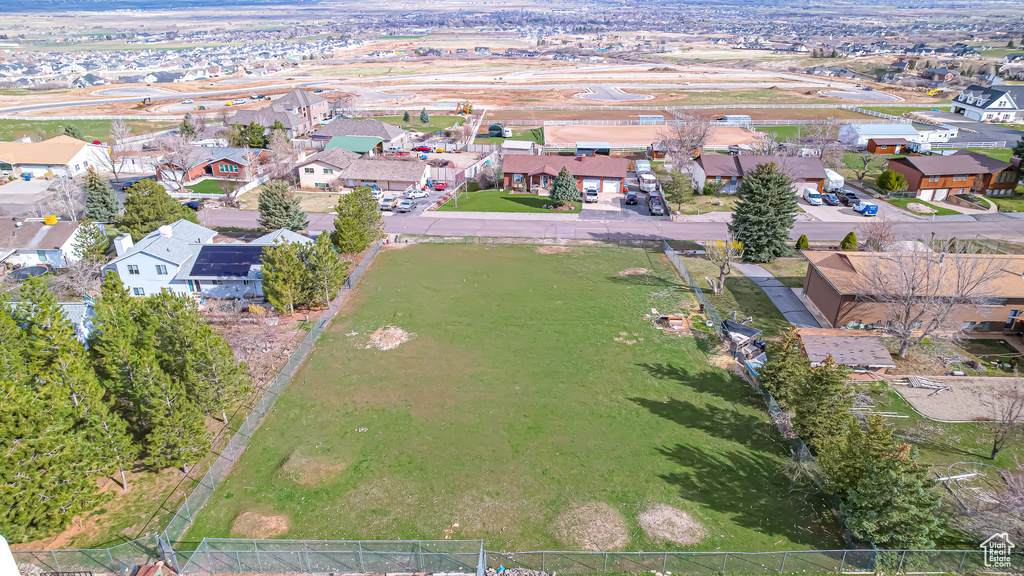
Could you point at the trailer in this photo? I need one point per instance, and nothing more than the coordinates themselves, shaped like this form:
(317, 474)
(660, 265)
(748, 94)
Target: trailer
(834, 181)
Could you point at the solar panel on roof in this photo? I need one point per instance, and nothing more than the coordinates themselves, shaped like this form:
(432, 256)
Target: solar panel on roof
(226, 260)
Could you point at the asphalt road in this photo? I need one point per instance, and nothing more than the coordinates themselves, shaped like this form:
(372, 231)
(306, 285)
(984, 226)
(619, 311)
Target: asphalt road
(873, 96)
(610, 93)
(999, 226)
(982, 132)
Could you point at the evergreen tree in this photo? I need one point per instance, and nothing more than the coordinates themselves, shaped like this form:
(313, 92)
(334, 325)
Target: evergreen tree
(405, 117)
(73, 131)
(284, 276)
(117, 332)
(221, 380)
(787, 367)
(92, 241)
(424, 116)
(358, 223)
(176, 430)
(844, 458)
(849, 243)
(252, 135)
(186, 129)
(100, 201)
(822, 406)
(1010, 43)
(277, 126)
(325, 270)
(802, 243)
(678, 190)
(835, 54)
(147, 206)
(279, 208)
(564, 190)
(893, 505)
(1018, 148)
(765, 212)
(890, 181)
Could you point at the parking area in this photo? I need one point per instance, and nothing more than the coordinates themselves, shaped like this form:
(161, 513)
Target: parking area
(825, 213)
(21, 197)
(973, 131)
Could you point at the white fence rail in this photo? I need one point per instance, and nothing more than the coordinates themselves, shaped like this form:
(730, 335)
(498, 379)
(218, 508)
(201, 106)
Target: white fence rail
(952, 145)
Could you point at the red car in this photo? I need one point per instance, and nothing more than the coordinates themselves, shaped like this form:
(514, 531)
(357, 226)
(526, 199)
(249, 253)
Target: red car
(440, 185)
(401, 153)
(422, 149)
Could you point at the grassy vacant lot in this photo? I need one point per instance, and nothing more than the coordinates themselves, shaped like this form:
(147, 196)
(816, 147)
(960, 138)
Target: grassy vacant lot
(12, 128)
(532, 384)
(741, 294)
(902, 203)
(783, 133)
(532, 134)
(502, 201)
(901, 110)
(436, 124)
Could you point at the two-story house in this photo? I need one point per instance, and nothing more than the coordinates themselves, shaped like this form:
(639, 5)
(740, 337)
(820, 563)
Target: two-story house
(991, 104)
(933, 178)
(324, 168)
(305, 105)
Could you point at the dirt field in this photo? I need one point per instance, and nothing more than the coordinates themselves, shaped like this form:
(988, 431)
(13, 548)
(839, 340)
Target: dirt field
(970, 398)
(635, 135)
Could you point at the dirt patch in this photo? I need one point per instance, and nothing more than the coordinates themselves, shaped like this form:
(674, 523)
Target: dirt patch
(552, 249)
(592, 526)
(252, 524)
(634, 272)
(671, 524)
(310, 471)
(919, 208)
(388, 338)
(967, 399)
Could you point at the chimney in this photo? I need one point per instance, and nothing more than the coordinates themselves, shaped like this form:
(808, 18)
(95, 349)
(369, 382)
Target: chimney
(165, 231)
(123, 243)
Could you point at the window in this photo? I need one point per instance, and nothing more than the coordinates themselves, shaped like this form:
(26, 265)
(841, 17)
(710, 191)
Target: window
(133, 269)
(328, 170)
(41, 254)
(214, 282)
(138, 292)
(161, 270)
(320, 184)
(309, 171)
(933, 178)
(517, 177)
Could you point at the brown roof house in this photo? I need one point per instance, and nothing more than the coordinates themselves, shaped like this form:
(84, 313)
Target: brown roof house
(385, 174)
(837, 284)
(861, 350)
(536, 174)
(729, 170)
(933, 178)
(887, 145)
(323, 169)
(38, 244)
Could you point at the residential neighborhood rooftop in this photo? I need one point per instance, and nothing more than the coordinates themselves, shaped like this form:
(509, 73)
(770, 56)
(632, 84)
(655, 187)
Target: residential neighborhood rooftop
(596, 166)
(846, 347)
(56, 150)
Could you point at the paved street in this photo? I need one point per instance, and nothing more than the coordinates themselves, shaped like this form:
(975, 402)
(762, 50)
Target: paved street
(983, 132)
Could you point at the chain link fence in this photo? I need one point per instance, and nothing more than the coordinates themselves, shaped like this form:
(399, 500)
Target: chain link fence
(527, 241)
(705, 304)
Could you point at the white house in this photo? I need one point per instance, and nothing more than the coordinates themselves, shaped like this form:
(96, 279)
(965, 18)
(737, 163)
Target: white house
(992, 104)
(183, 258)
(58, 156)
(323, 168)
(38, 244)
(526, 147)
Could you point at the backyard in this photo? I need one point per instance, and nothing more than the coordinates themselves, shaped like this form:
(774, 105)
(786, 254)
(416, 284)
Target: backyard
(517, 395)
(531, 134)
(741, 294)
(503, 201)
(436, 124)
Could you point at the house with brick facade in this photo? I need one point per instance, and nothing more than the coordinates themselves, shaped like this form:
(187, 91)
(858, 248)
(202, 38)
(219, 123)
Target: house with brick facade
(933, 178)
(305, 105)
(536, 174)
(730, 170)
(222, 164)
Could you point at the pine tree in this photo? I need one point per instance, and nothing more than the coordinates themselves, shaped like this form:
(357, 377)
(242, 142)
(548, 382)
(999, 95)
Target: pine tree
(1010, 43)
(72, 131)
(405, 117)
(893, 505)
(100, 201)
(176, 430)
(424, 116)
(678, 190)
(564, 190)
(147, 206)
(765, 212)
(823, 404)
(849, 242)
(358, 223)
(845, 457)
(186, 129)
(277, 126)
(1018, 148)
(220, 379)
(802, 243)
(325, 268)
(284, 276)
(117, 332)
(786, 369)
(92, 241)
(279, 208)
(890, 181)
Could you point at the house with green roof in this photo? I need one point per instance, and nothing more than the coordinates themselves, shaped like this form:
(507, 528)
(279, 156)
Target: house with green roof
(363, 145)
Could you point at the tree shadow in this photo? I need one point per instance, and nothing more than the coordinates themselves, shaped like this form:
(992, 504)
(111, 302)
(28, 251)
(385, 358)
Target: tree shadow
(746, 429)
(719, 383)
(649, 279)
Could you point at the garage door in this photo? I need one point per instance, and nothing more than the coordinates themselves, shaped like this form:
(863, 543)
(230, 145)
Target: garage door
(610, 186)
(925, 194)
(589, 184)
(940, 194)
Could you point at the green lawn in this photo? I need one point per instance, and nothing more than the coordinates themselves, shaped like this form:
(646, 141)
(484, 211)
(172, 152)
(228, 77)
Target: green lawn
(436, 124)
(1012, 126)
(783, 133)
(942, 105)
(208, 186)
(502, 201)
(532, 384)
(1014, 203)
(789, 271)
(1003, 154)
(11, 128)
(531, 134)
(741, 294)
(902, 203)
(702, 204)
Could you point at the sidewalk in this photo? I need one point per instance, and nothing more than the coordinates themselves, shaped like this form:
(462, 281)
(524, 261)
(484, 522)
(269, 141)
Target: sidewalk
(781, 296)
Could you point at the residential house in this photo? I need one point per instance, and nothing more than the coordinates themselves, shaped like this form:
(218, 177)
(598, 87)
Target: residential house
(862, 351)
(306, 105)
(323, 169)
(729, 170)
(991, 104)
(995, 177)
(58, 156)
(222, 164)
(837, 284)
(536, 174)
(1014, 58)
(183, 258)
(942, 74)
(385, 174)
(887, 145)
(392, 136)
(527, 147)
(935, 177)
(294, 124)
(362, 145)
(87, 80)
(37, 243)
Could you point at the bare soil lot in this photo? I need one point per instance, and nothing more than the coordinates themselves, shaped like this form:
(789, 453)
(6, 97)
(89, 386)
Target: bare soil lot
(968, 399)
(636, 135)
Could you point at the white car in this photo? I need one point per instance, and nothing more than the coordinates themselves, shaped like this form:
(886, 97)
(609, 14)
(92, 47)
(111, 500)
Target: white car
(378, 194)
(189, 101)
(812, 197)
(416, 193)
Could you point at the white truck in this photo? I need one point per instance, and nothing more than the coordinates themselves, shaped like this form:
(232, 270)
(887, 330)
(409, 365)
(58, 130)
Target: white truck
(834, 181)
(648, 183)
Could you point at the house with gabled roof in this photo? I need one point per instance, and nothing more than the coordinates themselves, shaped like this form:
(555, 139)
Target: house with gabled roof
(990, 104)
(323, 169)
(305, 105)
(536, 174)
(294, 124)
(392, 136)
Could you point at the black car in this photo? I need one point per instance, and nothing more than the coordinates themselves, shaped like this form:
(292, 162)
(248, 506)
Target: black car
(129, 183)
(194, 204)
(849, 198)
(631, 198)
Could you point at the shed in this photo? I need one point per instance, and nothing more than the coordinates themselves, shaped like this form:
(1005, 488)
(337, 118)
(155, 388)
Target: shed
(651, 119)
(861, 350)
(593, 148)
(887, 145)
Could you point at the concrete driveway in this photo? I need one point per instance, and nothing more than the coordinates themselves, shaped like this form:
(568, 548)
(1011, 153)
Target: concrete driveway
(19, 197)
(781, 295)
(984, 132)
(842, 213)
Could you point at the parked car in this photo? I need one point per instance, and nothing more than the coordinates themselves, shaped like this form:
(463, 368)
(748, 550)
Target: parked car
(414, 193)
(402, 153)
(655, 205)
(194, 204)
(405, 206)
(187, 101)
(631, 199)
(421, 149)
(812, 197)
(238, 102)
(866, 208)
(439, 186)
(849, 198)
(377, 194)
(129, 183)
(590, 196)
(388, 203)
(830, 199)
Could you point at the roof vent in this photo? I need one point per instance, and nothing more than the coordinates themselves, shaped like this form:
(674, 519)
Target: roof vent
(165, 231)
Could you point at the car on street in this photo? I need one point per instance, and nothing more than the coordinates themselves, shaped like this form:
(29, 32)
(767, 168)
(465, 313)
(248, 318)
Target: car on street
(388, 203)
(830, 199)
(194, 204)
(865, 208)
(188, 101)
(421, 149)
(439, 186)
(414, 193)
(377, 194)
(812, 197)
(631, 199)
(238, 102)
(849, 198)
(405, 206)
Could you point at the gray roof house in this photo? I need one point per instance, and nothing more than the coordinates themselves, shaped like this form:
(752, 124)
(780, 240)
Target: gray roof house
(990, 104)
(386, 174)
(294, 124)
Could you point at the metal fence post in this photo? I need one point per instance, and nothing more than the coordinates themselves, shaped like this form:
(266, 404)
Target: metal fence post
(362, 567)
(256, 547)
(305, 550)
(209, 557)
(902, 557)
(962, 560)
(55, 562)
(664, 563)
(187, 512)
(605, 561)
(238, 560)
(783, 568)
(542, 561)
(724, 562)
(843, 563)
(111, 557)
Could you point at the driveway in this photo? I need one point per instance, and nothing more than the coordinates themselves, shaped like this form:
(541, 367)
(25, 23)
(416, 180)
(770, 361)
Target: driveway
(842, 213)
(19, 197)
(781, 296)
(983, 132)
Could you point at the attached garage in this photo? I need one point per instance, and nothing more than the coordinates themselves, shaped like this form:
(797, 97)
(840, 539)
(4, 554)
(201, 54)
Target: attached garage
(610, 186)
(933, 194)
(591, 184)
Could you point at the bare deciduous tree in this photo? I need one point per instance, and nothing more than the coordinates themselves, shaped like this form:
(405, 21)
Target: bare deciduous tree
(684, 138)
(1007, 418)
(863, 164)
(924, 293)
(83, 276)
(723, 253)
(66, 199)
(118, 147)
(177, 157)
(280, 156)
(878, 235)
(820, 136)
